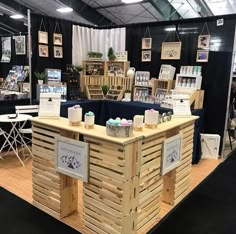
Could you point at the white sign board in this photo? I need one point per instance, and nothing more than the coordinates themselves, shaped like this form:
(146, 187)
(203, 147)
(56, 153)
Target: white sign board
(49, 105)
(171, 154)
(181, 106)
(71, 158)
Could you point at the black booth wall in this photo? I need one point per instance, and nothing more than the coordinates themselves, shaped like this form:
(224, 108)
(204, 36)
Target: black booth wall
(215, 73)
(52, 25)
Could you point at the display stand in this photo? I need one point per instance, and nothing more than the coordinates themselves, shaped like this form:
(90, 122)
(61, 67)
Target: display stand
(125, 186)
(94, 92)
(115, 93)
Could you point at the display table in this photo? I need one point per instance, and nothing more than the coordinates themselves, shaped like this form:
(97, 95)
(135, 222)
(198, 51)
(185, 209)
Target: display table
(125, 185)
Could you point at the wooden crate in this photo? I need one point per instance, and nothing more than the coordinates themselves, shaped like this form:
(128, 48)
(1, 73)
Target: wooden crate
(150, 183)
(52, 191)
(110, 197)
(177, 182)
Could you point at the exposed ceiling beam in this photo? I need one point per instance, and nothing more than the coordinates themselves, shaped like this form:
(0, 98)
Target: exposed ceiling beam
(119, 5)
(15, 26)
(87, 12)
(165, 9)
(16, 6)
(205, 9)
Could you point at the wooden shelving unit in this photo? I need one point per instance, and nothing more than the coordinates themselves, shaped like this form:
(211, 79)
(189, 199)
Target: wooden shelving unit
(94, 92)
(94, 67)
(116, 68)
(115, 93)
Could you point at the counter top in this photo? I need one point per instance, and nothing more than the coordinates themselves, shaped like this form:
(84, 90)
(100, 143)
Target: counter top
(100, 131)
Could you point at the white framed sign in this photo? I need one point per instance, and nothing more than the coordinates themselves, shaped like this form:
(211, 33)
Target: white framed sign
(50, 105)
(72, 157)
(121, 55)
(171, 154)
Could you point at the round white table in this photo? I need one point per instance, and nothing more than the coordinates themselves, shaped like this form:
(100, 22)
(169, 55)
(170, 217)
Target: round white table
(11, 137)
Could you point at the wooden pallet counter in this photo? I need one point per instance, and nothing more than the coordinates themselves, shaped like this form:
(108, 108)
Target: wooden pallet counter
(125, 186)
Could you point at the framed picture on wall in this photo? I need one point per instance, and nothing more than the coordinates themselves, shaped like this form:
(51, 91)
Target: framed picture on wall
(43, 51)
(43, 37)
(57, 39)
(202, 56)
(171, 154)
(171, 50)
(20, 45)
(146, 56)
(146, 43)
(204, 41)
(58, 52)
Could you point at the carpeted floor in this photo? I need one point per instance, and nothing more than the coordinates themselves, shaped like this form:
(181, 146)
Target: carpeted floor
(209, 209)
(20, 217)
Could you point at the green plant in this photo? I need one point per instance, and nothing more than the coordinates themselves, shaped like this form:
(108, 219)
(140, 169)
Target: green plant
(111, 54)
(105, 89)
(128, 91)
(40, 75)
(77, 68)
(93, 54)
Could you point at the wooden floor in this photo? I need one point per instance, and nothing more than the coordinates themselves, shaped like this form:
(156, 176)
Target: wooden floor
(18, 180)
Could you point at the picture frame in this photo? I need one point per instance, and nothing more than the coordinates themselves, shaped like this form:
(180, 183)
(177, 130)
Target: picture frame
(202, 56)
(71, 157)
(146, 43)
(203, 41)
(171, 50)
(20, 45)
(42, 37)
(43, 51)
(146, 56)
(58, 52)
(57, 39)
(171, 154)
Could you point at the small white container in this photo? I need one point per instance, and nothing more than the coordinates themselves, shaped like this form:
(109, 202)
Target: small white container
(89, 120)
(151, 118)
(74, 115)
(138, 122)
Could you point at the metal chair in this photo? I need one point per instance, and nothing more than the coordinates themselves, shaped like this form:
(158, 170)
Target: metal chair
(23, 130)
(8, 143)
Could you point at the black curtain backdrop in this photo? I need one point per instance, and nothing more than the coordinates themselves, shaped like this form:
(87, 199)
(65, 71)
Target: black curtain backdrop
(215, 73)
(15, 59)
(40, 63)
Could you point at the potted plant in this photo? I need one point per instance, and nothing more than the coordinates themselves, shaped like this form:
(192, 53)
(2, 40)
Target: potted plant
(105, 89)
(128, 94)
(96, 55)
(111, 54)
(41, 76)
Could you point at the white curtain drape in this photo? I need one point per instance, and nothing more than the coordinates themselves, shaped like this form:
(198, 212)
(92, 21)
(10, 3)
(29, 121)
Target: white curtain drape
(96, 40)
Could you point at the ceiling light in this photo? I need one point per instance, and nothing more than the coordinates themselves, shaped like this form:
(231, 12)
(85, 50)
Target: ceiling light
(131, 1)
(170, 29)
(17, 16)
(65, 9)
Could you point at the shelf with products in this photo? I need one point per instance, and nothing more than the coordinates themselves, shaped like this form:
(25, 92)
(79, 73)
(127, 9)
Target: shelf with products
(117, 68)
(73, 85)
(188, 81)
(142, 78)
(94, 67)
(143, 94)
(94, 92)
(115, 92)
(162, 84)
